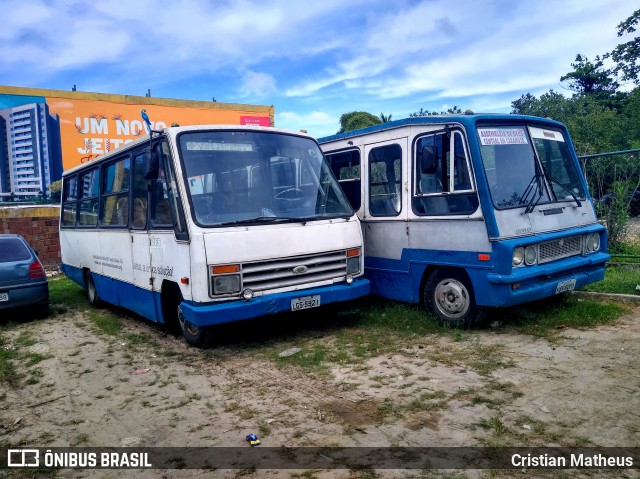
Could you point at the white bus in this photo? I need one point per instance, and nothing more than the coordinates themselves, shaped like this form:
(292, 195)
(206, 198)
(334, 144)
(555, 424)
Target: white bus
(204, 225)
(462, 212)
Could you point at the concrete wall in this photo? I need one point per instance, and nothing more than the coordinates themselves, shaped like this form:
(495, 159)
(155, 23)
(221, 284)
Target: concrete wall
(39, 226)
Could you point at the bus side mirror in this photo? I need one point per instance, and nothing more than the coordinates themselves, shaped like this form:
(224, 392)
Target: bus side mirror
(428, 163)
(152, 164)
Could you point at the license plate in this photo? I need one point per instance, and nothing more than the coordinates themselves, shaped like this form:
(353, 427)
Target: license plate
(4, 297)
(305, 302)
(568, 285)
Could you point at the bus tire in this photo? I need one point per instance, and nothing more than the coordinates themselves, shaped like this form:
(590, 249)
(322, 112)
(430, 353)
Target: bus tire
(448, 294)
(91, 290)
(197, 336)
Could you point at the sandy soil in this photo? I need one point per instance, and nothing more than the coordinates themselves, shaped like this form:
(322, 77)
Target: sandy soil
(143, 387)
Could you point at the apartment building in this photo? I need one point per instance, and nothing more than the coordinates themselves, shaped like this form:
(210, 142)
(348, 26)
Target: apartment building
(30, 153)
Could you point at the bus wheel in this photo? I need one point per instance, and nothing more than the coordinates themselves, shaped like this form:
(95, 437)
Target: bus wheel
(90, 289)
(448, 294)
(194, 335)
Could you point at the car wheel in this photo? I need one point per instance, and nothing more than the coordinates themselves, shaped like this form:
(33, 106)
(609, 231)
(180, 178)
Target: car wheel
(197, 336)
(448, 294)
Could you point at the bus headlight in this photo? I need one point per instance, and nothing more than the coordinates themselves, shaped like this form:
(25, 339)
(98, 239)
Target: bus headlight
(223, 281)
(518, 256)
(226, 284)
(592, 243)
(530, 255)
(353, 261)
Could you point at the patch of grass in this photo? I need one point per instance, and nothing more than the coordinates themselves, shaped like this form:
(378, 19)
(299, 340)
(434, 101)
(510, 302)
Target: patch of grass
(620, 279)
(64, 291)
(8, 373)
(34, 358)
(106, 322)
(573, 312)
(25, 338)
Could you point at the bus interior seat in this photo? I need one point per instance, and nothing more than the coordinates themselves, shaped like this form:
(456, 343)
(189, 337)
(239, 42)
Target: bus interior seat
(139, 212)
(122, 211)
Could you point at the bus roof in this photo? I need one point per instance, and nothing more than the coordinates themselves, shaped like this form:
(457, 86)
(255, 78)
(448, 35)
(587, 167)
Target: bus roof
(467, 119)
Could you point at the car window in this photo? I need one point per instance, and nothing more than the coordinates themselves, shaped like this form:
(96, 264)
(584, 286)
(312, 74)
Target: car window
(12, 249)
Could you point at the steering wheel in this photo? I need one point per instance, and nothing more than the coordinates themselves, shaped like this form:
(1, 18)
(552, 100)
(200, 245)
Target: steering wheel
(289, 194)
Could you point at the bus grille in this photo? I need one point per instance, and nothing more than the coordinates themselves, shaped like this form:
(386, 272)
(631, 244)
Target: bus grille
(293, 271)
(560, 248)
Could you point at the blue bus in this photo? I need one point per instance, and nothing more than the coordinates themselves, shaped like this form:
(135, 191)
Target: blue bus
(463, 212)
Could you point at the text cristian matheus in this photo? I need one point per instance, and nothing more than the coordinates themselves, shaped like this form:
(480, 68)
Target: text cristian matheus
(575, 460)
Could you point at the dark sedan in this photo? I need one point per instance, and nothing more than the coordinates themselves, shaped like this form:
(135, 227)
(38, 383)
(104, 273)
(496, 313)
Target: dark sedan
(23, 281)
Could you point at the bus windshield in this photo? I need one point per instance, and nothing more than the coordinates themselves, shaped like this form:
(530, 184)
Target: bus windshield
(250, 177)
(519, 175)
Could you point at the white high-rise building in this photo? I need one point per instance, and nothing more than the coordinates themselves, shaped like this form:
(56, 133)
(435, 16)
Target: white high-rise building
(30, 158)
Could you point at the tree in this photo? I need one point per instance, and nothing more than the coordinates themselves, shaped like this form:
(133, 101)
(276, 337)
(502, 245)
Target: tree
(423, 112)
(590, 78)
(356, 120)
(54, 190)
(626, 55)
(385, 118)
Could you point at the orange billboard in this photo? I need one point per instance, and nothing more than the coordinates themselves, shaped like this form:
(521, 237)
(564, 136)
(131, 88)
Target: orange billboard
(92, 124)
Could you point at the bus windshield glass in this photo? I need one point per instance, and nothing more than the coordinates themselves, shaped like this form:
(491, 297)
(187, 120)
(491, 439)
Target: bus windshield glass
(252, 177)
(526, 166)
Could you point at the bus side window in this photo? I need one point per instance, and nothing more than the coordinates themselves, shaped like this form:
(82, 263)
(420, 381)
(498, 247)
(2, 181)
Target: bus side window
(346, 168)
(443, 183)
(69, 201)
(385, 178)
(89, 192)
(115, 193)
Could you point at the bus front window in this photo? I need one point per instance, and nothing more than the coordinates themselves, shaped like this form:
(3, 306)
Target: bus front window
(521, 164)
(254, 177)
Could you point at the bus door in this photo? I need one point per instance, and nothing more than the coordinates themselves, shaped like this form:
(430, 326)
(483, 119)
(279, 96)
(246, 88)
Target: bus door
(141, 242)
(385, 215)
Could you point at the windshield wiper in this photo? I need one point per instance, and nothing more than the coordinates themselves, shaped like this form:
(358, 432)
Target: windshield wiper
(553, 180)
(534, 186)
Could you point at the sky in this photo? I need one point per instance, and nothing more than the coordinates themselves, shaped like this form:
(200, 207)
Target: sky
(312, 60)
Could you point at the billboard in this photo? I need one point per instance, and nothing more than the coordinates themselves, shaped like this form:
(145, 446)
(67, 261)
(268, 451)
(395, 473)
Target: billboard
(84, 125)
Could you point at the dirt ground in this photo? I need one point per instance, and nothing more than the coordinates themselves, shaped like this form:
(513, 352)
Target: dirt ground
(142, 387)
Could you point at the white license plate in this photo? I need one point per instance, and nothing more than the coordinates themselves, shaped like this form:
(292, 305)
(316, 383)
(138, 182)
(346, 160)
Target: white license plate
(305, 302)
(568, 285)
(4, 297)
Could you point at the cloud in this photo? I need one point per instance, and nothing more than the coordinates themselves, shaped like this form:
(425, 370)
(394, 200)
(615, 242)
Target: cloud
(257, 85)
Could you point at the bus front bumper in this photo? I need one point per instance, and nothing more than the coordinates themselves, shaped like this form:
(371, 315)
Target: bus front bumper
(536, 282)
(209, 314)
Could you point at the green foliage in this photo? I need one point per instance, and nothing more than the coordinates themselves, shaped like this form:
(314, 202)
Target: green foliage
(590, 78)
(356, 120)
(626, 54)
(55, 189)
(621, 279)
(423, 112)
(616, 212)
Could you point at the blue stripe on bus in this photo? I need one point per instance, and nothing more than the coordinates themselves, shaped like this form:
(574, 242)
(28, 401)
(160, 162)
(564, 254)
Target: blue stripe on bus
(202, 314)
(402, 279)
(148, 303)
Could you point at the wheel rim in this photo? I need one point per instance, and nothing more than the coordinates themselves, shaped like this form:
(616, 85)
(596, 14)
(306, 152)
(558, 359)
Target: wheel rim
(452, 298)
(186, 325)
